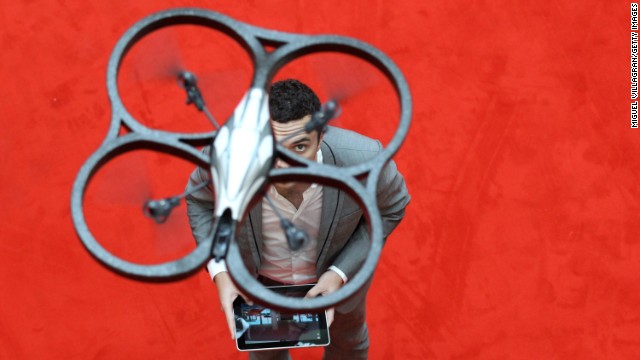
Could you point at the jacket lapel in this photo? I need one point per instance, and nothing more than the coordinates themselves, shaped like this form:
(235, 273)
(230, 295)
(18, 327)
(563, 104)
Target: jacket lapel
(331, 205)
(255, 228)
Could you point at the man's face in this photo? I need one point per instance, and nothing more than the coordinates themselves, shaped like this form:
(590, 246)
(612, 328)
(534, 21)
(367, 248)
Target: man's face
(303, 144)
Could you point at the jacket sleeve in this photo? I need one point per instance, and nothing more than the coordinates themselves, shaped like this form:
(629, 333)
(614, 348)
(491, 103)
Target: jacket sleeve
(200, 205)
(392, 199)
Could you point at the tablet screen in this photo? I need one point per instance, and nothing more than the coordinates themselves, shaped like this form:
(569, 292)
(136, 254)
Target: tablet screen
(261, 328)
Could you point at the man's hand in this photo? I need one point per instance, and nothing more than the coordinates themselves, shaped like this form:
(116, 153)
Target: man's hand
(228, 292)
(329, 282)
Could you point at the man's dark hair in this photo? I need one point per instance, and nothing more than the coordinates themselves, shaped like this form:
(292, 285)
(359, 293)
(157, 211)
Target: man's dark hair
(291, 100)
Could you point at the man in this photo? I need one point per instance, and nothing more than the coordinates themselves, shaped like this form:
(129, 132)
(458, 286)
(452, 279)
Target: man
(333, 220)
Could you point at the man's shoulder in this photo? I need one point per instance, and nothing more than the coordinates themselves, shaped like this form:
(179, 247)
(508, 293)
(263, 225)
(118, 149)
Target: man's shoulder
(346, 139)
(348, 147)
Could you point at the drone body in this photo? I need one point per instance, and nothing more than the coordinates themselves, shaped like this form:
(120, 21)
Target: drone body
(241, 157)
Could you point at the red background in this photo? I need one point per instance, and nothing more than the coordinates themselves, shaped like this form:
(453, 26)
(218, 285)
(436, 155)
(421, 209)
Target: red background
(521, 238)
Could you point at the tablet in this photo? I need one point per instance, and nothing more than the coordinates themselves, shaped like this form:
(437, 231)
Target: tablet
(261, 328)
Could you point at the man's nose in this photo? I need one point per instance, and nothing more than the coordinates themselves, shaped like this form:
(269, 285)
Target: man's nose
(281, 164)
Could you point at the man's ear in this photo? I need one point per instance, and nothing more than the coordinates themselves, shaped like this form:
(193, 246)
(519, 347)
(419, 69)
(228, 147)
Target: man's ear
(320, 138)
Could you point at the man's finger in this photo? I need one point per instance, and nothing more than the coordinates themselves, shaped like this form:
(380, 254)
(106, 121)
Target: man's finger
(246, 299)
(313, 292)
(231, 321)
(330, 314)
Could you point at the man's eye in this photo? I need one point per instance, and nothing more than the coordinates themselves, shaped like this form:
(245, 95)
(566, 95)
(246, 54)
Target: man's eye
(300, 148)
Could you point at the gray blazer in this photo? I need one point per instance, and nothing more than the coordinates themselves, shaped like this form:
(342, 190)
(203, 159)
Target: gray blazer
(343, 238)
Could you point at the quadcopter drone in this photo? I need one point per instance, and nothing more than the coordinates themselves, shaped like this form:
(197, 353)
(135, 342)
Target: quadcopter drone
(242, 154)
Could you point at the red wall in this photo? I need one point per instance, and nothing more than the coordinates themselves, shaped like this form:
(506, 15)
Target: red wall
(521, 238)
